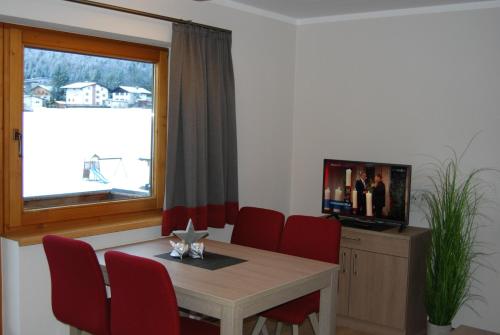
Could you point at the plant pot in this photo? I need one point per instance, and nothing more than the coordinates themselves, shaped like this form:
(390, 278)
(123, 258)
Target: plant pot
(438, 330)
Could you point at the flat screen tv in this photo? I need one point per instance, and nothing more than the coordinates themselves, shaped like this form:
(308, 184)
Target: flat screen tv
(366, 192)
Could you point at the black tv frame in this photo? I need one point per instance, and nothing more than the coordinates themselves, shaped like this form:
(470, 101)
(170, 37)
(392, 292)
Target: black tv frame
(363, 220)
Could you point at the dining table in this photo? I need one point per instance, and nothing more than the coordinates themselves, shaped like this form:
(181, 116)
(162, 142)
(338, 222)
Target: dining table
(233, 282)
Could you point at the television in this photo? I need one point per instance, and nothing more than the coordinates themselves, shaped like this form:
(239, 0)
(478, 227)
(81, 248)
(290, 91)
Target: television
(366, 193)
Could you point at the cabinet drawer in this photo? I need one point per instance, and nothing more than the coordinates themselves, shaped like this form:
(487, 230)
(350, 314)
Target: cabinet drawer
(374, 242)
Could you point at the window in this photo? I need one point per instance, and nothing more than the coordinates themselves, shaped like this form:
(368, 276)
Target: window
(78, 156)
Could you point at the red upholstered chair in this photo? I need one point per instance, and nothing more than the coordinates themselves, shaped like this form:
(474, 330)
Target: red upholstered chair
(143, 299)
(78, 291)
(308, 237)
(258, 228)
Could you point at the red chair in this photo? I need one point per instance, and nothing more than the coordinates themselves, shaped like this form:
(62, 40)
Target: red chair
(143, 299)
(258, 228)
(308, 237)
(78, 291)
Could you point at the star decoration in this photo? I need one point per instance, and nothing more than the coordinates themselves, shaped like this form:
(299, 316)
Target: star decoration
(190, 235)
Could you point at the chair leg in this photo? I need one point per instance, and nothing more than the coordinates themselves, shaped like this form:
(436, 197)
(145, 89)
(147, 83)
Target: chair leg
(260, 326)
(314, 323)
(279, 326)
(295, 329)
(74, 331)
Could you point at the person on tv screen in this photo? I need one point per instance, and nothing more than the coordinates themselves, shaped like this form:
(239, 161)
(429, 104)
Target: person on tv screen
(378, 195)
(361, 188)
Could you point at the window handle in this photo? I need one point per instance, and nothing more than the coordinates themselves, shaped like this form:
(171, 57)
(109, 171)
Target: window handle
(18, 136)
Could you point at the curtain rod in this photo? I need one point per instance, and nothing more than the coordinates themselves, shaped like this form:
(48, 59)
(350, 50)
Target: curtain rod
(145, 14)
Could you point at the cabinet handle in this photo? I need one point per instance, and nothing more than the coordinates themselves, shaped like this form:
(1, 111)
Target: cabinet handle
(343, 262)
(356, 239)
(355, 265)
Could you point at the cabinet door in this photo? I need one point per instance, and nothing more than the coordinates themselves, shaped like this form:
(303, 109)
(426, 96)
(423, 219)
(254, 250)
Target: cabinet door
(378, 288)
(344, 281)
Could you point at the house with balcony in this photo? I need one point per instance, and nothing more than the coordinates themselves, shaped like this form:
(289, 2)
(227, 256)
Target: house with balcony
(85, 93)
(133, 96)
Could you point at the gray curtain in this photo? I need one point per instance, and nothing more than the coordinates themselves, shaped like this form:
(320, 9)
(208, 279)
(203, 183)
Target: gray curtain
(202, 178)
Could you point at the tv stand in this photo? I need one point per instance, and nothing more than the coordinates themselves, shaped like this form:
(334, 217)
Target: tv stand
(381, 279)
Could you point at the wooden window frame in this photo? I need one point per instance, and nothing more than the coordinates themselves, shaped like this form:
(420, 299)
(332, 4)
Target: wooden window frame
(2, 174)
(16, 220)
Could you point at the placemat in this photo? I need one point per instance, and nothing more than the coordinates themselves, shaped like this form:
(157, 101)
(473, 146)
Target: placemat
(210, 261)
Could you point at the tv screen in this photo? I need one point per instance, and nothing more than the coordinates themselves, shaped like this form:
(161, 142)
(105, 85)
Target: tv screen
(369, 192)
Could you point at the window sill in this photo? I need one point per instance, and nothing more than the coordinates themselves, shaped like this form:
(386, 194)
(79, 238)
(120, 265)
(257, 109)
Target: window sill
(84, 228)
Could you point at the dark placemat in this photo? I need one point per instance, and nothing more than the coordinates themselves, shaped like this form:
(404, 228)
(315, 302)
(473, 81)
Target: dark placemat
(210, 261)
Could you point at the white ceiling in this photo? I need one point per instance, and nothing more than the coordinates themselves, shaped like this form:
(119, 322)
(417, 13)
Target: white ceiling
(303, 9)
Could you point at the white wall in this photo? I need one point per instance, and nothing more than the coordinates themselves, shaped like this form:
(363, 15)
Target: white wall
(10, 283)
(392, 89)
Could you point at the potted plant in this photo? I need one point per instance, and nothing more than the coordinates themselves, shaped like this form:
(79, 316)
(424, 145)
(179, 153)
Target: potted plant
(452, 208)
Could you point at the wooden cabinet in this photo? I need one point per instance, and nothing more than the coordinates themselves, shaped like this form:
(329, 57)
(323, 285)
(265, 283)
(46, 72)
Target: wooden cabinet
(381, 281)
(378, 288)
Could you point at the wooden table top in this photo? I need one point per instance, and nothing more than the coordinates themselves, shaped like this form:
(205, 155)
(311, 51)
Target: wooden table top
(263, 272)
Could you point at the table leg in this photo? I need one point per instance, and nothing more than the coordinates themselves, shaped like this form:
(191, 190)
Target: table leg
(231, 322)
(327, 313)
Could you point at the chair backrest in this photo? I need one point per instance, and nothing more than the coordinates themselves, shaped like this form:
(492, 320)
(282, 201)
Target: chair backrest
(258, 228)
(142, 296)
(78, 291)
(312, 237)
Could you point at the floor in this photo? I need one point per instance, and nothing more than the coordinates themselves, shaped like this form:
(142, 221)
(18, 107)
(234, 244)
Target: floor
(305, 329)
